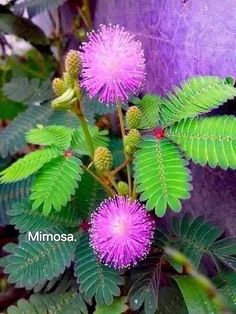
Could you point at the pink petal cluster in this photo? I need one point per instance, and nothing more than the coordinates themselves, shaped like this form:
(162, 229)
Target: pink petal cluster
(113, 64)
(121, 231)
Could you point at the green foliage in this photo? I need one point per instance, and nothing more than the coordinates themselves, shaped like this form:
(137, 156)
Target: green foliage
(161, 175)
(89, 195)
(25, 219)
(207, 140)
(150, 107)
(21, 27)
(99, 138)
(51, 135)
(95, 278)
(35, 7)
(9, 109)
(28, 92)
(13, 136)
(54, 303)
(118, 306)
(11, 193)
(195, 96)
(145, 286)
(55, 183)
(195, 239)
(224, 251)
(195, 297)
(117, 149)
(226, 284)
(33, 262)
(65, 118)
(29, 164)
(170, 301)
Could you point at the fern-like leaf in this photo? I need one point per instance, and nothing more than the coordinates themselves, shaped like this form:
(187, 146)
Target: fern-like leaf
(52, 135)
(99, 138)
(150, 107)
(25, 219)
(13, 136)
(65, 118)
(28, 165)
(95, 279)
(53, 303)
(28, 92)
(118, 306)
(11, 193)
(195, 96)
(209, 140)
(55, 183)
(161, 175)
(33, 262)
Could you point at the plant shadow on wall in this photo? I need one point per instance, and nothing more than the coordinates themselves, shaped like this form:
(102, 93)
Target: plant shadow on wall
(109, 192)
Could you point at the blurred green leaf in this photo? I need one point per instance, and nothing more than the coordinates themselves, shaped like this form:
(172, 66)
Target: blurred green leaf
(118, 306)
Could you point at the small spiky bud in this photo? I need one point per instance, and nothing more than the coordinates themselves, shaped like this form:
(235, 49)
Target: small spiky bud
(69, 81)
(123, 188)
(102, 159)
(133, 117)
(72, 63)
(132, 139)
(58, 86)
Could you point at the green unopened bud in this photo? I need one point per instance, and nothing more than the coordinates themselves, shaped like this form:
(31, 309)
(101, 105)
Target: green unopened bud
(132, 140)
(102, 159)
(133, 117)
(72, 63)
(66, 100)
(69, 81)
(123, 188)
(58, 86)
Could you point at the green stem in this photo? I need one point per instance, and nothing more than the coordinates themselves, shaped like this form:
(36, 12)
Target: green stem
(106, 188)
(85, 128)
(122, 128)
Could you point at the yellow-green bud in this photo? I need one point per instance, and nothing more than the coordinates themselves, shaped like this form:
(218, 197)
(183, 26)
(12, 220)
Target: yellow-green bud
(102, 159)
(132, 140)
(123, 188)
(69, 81)
(72, 63)
(133, 117)
(58, 86)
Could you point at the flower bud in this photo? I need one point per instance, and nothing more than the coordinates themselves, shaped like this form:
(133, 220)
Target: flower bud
(72, 63)
(133, 117)
(69, 81)
(131, 141)
(102, 159)
(123, 188)
(65, 101)
(58, 86)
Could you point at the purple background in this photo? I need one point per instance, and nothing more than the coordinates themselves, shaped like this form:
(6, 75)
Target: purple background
(181, 39)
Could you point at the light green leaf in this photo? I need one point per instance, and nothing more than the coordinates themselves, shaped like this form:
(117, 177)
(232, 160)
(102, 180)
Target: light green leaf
(55, 183)
(197, 95)
(210, 140)
(29, 164)
(161, 175)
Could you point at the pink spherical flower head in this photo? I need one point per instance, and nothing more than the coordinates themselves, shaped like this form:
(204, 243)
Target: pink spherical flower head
(121, 232)
(113, 64)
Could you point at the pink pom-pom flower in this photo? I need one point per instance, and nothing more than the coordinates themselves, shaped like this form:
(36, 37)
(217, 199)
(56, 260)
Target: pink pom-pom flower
(121, 231)
(113, 64)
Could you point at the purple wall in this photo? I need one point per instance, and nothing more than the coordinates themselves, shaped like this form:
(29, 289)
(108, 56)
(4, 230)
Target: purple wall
(180, 37)
(183, 38)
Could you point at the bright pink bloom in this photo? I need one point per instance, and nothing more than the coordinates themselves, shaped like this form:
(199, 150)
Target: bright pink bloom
(113, 64)
(121, 231)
